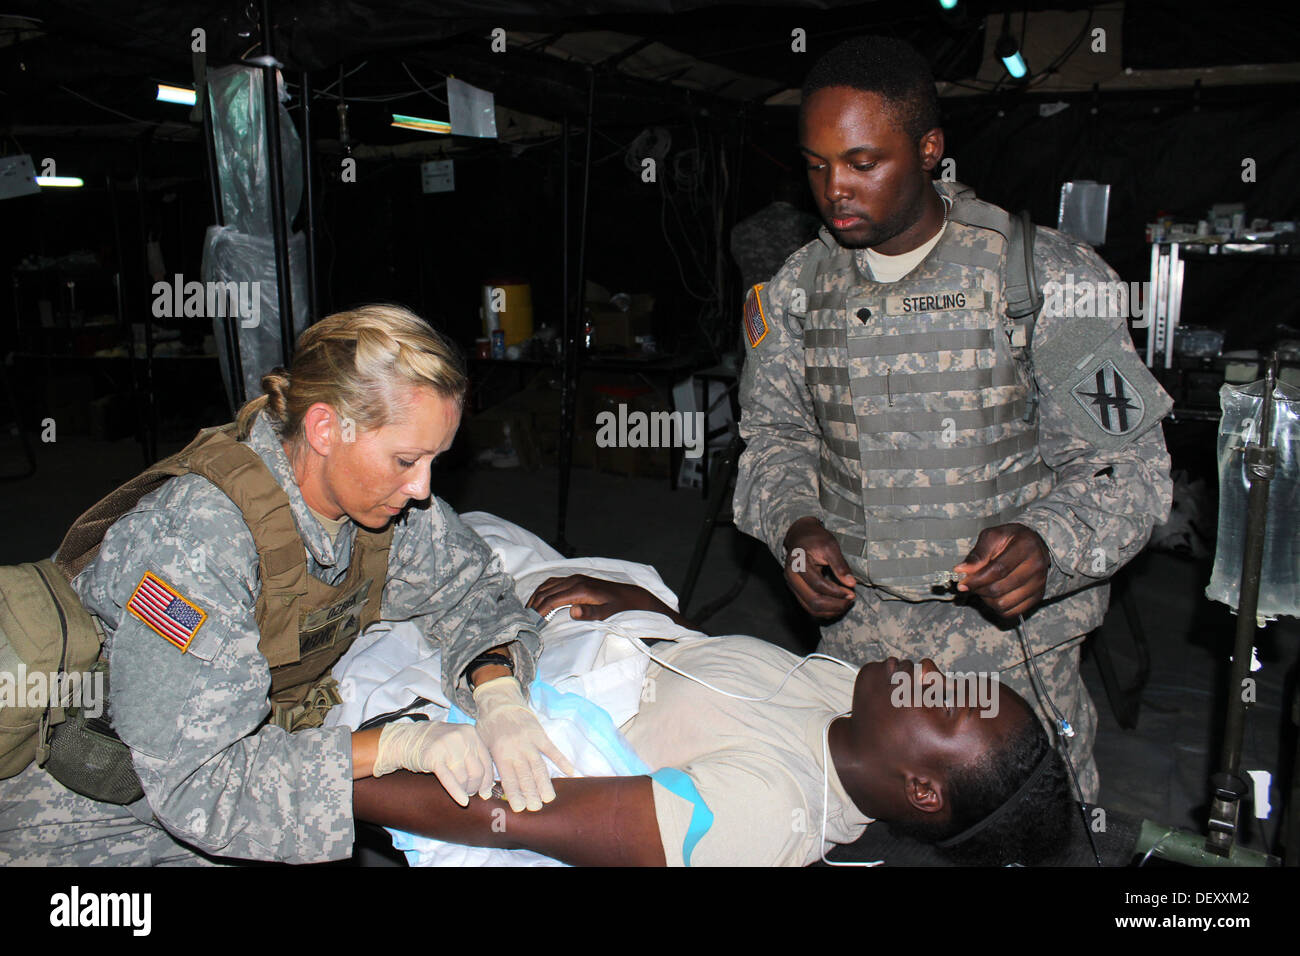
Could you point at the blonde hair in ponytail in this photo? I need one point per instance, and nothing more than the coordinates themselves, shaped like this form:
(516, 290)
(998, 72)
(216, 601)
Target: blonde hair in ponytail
(360, 362)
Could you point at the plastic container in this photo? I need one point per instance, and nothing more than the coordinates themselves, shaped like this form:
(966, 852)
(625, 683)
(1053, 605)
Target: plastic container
(508, 306)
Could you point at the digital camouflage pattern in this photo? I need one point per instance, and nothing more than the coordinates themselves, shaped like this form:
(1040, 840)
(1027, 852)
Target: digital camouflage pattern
(216, 776)
(894, 413)
(762, 242)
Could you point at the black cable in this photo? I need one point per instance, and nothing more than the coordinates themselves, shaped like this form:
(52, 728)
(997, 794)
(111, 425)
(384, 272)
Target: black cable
(1064, 730)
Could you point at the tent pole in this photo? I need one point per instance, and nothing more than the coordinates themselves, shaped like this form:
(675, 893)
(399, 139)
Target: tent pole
(271, 107)
(566, 342)
(574, 303)
(234, 360)
(310, 231)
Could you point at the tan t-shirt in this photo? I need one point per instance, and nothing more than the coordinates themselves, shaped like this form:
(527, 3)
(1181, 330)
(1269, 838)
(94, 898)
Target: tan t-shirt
(892, 268)
(757, 766)
(332, 526)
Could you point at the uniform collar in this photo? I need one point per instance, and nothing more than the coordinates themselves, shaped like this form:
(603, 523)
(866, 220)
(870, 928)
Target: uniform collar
(263, 440)
(954, 191)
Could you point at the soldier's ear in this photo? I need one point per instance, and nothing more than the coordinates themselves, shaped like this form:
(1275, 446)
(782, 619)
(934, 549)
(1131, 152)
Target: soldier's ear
(930, 148)
(318, 424)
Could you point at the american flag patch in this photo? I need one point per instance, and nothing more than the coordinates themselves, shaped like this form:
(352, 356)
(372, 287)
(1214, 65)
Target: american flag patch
(755, 320)
(167, 613)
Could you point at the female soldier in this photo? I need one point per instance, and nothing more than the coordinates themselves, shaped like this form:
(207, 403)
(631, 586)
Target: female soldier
(228, 593)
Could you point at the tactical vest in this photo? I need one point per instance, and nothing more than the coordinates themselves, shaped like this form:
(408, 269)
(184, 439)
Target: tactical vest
(924, 404)
(305, 624)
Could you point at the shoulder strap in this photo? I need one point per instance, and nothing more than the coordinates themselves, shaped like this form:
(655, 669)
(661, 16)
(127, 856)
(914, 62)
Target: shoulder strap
(81, 543)
(981, 215)
(808, 271)
(243, 477)
(1024, 300)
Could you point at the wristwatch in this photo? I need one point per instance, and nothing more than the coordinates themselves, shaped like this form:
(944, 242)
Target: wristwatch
(500, 658)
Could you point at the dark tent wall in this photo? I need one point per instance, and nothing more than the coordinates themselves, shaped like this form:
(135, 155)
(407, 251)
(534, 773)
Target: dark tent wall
(1159, 157)
(1165, 154)
(75, 88)
(383, 238)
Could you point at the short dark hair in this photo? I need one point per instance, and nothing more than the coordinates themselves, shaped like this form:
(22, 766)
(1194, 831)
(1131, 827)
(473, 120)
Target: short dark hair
(887, 67)
(1033, 832)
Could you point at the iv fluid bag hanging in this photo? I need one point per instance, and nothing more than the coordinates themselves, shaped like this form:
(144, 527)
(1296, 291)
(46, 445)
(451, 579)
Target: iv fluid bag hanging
(1279, 586)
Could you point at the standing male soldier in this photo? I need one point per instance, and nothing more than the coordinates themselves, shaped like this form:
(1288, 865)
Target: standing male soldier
(900, 460)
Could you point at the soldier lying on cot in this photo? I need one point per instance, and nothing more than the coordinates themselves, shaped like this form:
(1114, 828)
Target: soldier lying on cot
(745, 782)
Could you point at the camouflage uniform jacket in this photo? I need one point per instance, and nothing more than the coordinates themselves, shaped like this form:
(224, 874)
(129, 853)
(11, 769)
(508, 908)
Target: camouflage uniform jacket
(214, 773)
(1094, 511)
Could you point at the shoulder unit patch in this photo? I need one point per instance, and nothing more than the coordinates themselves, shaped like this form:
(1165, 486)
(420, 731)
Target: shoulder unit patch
(1110, 399)
(755, 321)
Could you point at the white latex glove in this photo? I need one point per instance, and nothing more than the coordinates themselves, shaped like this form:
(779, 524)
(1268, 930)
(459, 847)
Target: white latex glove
(452, 752)
(510, 729)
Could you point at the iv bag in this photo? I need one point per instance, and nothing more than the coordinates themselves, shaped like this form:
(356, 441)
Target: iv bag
(1279, 586)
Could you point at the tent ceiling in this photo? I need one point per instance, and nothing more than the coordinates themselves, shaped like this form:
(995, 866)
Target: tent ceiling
(87, 63)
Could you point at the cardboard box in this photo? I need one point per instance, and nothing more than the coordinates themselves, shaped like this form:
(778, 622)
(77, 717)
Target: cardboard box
(618, 459)
(528, 421)
(615, 329)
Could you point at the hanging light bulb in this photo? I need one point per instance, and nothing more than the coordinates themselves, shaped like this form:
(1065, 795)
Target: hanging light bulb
(1008, 51)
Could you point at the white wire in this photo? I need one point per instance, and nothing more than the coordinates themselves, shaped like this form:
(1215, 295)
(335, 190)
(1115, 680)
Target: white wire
(653, 142)
(326, 89)
(1155, 846)
(672, 249)
(637, 642)
(133, 119)
(422, 86)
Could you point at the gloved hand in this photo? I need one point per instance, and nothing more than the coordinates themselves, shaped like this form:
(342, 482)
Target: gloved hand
(452, 752)
(510, 729)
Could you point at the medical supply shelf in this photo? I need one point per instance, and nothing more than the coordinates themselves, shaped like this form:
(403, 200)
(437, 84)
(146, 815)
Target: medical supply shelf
(1167, 261)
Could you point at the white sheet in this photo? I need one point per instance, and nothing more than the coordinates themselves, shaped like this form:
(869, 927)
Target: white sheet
(392, 664)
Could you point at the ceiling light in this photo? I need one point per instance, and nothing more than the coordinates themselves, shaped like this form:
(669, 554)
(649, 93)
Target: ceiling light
(1008, 51)
(423, 125)
(176, 94)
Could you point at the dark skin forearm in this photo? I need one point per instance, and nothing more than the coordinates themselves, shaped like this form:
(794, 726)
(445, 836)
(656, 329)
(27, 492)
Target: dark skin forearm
(594, 821)
(596, 599)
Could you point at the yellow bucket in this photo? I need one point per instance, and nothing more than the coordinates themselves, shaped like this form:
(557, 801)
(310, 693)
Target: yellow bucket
(508, 305)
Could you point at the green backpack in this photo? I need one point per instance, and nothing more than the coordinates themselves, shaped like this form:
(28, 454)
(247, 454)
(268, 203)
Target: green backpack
(50, 642)
(45, 671)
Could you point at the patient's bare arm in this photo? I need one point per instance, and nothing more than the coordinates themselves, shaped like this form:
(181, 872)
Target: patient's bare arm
(593, 821)
(597, 599)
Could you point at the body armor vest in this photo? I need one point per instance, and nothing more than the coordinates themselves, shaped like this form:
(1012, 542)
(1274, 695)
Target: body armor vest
(923, 402)
(305, 624)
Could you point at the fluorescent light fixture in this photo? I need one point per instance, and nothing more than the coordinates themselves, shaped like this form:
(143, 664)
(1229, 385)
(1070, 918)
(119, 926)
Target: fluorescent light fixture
(1008, 51)
(423, 125)
(59, 181)
(176, 94)
(1015, 64)
(948, 4)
